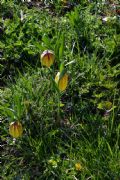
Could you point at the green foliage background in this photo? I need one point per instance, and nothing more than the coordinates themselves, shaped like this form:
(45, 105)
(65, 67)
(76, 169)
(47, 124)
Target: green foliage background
(80, 125)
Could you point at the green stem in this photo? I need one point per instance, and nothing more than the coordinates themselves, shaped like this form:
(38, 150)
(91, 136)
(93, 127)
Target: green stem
(59, 117)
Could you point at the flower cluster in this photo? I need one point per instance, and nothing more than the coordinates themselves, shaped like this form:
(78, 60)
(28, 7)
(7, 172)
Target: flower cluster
(61, 80)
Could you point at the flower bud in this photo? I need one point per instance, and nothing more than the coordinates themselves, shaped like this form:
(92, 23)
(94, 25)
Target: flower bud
(61, 81)
(15, 129)
(47, 58)
(78, 167)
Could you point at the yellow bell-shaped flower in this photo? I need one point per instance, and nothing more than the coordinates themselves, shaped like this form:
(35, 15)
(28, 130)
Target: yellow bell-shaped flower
(61, 81)
(15, 129)
(47, 58)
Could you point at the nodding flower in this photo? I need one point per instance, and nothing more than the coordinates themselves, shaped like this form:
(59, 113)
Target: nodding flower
(61, 81)
(15, 129)
(47, 58)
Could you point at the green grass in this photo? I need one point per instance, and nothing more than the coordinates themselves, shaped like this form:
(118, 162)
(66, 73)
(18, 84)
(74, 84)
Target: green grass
(79, 125)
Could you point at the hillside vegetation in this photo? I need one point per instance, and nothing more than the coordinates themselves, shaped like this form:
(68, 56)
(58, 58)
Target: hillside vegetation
(68, 127)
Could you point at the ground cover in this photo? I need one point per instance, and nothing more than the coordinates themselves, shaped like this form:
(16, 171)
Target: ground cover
(71, 133)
